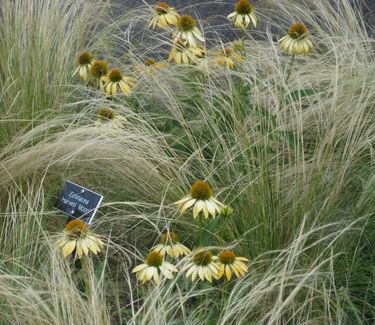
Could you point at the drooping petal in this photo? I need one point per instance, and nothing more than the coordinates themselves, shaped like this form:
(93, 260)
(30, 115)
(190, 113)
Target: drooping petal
(139, 268)
(125, 87)
(198, 207)
(233, 14)
(205, 210)
(114, 88)
(69, 248)
(156, 275)
(83, 73)
(211, 206)
(254, 19)
(79, 249)
(187, 205)
(228, 273)
(178, 57)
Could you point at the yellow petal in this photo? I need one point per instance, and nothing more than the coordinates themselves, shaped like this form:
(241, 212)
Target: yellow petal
(187, 205)
(139, 268)
(125, 87)
(83, 73)
(69, 248)
(79, 249)
(228, 273)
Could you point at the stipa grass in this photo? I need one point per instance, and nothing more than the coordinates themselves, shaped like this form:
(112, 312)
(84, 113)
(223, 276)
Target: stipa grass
(292, 157)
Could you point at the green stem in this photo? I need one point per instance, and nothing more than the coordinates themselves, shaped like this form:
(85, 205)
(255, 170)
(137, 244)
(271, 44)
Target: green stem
(243, 42)
(291, 64)
(86, 277)
(200, 231)
(290, 68)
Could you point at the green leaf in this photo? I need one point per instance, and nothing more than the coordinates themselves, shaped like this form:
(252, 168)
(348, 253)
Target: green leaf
(209, 231)
(99, 270)
(297, 95)
(292, 139)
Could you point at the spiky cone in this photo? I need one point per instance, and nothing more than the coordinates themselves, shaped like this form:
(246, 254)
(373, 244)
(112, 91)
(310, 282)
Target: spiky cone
(115, 79)
(228, 263)
(201, 199)
(169, 244)
(108, 117)
(77, 236)
(164, 16)
(153, 268)
(297, 40)
(186, 32)
(243, 15)
(99, 69)
(84, 64)
(201, 266)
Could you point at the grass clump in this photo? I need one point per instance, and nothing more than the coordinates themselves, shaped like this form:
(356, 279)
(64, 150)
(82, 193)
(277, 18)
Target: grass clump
(238, 180)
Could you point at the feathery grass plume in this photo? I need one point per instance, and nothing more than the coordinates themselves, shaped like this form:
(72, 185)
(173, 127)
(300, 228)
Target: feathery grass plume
(302, 188)
(77, 236)
(164, 16)
(243, 15)
(49, 34)
(154, 267)
(228, 262)
(115, 78)
(201, 265)
(187, 32)
(84, 65)
(202, 199)
(170, 244)
(297, 40)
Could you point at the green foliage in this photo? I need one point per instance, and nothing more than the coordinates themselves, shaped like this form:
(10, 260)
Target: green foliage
(288, 146)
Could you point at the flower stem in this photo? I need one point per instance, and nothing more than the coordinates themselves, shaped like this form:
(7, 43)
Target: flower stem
(291, 64)
(243, 43)
(86, 278)
(290, 68)
(200, 231)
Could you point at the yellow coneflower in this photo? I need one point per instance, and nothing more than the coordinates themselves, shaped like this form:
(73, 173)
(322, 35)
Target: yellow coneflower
(243, 15)
(187, 32)
(165, 16)
(84, 64)
(297, 40)
(202, 265)
(99, 68)
(227, 262)
(149, 65)
(77, 236)
(108, 117)
(184, 54)
(106, 114)
(169, 243)
(153, 64)
(227, 57)
(201, 197)
(115, 78)
(153, 265)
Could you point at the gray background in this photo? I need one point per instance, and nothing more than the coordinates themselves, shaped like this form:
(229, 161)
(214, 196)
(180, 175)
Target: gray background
(214, 12)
